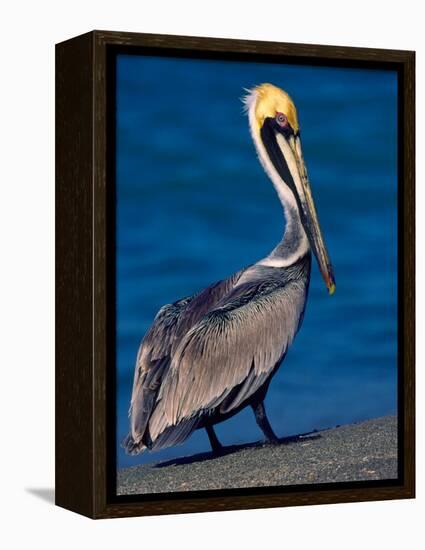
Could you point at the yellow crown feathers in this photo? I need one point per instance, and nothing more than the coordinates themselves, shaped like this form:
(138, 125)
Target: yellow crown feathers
(272, 100)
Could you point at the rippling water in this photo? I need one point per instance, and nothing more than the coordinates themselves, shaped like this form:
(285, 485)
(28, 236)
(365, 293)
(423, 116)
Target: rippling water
(194, 205)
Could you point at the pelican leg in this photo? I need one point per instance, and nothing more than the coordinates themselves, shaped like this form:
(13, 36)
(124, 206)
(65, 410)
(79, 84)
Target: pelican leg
(263, 422)
(216, 446)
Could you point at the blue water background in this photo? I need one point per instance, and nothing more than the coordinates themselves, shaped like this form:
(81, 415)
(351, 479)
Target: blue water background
(194, 206)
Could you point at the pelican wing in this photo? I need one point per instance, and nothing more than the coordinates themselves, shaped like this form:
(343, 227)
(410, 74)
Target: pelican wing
(153, 359)
(226, 357)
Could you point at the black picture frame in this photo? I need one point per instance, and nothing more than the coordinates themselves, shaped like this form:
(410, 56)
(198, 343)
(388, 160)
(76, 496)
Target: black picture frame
(85, 274)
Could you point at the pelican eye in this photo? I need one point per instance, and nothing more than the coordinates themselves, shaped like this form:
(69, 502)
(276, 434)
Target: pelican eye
(282, 120)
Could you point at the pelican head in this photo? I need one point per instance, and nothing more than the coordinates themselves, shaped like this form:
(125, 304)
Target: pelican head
(274, 127)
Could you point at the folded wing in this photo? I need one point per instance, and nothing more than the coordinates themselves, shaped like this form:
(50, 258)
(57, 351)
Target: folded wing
(154, 356)
(226, 356)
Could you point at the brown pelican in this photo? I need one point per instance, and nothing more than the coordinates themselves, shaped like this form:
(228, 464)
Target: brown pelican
(209, 355)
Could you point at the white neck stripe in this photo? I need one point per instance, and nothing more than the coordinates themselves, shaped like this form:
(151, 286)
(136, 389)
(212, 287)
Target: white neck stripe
(285, 194)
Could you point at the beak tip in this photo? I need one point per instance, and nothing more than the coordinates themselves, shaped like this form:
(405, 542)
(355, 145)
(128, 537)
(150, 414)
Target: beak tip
(332, 289)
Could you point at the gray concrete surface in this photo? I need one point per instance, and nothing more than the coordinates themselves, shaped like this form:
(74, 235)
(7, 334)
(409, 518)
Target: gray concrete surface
(364, 451)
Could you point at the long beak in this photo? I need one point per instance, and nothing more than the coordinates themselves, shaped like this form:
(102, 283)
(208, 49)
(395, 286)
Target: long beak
(286, 156)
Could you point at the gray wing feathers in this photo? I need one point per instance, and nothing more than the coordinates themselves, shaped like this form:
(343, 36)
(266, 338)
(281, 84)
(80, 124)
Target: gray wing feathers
(153, 358)
(152, 361)
(233, 345)
(174, 435)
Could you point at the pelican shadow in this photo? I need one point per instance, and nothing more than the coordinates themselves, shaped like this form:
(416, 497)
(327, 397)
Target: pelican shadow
(230, 449)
